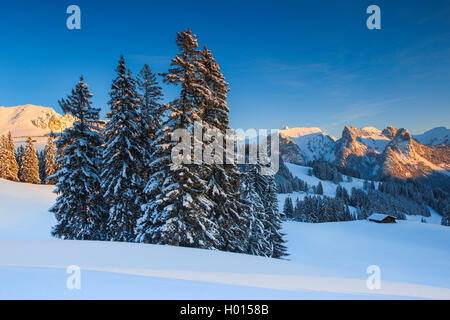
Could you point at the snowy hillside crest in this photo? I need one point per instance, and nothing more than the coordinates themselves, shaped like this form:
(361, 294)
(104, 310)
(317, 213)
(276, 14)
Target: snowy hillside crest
(32, 120)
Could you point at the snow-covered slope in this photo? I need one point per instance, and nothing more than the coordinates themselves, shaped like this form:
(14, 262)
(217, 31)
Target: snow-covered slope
(327, 261)
(310, 144)
(361, 149)
(433, 137)
(404, 157)
(24, 210)
(32, 121)
(329, 189)
(373, 153)
(373, 139)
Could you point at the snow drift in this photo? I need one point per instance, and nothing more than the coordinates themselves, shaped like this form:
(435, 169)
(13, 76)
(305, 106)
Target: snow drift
(327, 261)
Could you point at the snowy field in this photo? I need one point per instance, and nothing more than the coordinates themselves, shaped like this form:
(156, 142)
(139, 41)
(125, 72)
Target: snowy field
(327, 261)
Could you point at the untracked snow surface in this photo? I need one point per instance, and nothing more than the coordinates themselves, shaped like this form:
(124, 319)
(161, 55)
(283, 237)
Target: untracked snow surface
(327, 261)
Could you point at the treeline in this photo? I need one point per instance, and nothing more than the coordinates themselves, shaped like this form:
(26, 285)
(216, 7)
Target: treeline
(394, 197)
(286, 182)
(316, 209)
(366, 201)
(118, 182)
(325, 170)
(418, 192)
(374, 201)
(421, 194)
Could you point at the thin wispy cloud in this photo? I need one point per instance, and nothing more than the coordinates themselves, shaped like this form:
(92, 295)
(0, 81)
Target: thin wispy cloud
(319, 75)
(359, 110)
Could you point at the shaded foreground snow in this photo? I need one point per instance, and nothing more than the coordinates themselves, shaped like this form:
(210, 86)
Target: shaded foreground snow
(327, 261)
(24, 210)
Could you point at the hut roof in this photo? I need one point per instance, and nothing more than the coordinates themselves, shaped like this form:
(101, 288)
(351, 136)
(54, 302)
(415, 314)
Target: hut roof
(379, 217)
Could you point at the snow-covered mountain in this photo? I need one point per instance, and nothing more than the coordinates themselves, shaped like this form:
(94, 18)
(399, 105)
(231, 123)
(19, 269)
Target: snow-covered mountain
(32, 121)
(433, 137)
(371, 152)
(404, 157)
(302, 145)
(389, 153)
(360, 149)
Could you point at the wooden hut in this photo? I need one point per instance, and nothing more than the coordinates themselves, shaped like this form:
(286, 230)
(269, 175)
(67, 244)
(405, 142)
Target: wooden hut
(382, 218)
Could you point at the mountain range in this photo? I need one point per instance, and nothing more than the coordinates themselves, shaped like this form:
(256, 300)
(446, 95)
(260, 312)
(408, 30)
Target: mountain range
(373, 153)
(433, 137)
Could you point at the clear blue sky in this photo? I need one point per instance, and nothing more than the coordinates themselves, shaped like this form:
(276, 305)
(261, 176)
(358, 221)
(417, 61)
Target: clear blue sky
(295, 63)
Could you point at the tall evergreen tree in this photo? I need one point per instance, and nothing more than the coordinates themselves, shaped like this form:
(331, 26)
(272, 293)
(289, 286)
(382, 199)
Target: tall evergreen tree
(123, 157)
(40, 156)
(224, 178)
(259, 191)
(273, 221)
(288, 208)
(49, 161)
(150, 98)
(180, 212)
(30, 164)
(9, 168)
(252, 186)
(79, 206)
(151, 110)
(319, 189)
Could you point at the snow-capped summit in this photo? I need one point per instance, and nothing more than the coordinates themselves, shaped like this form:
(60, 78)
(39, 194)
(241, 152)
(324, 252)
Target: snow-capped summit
(433, 137)
(302, 145)
(32, 120)
(371, 131)
(371, 152)
(366, 139)
(302, 131)
(389, 153)
(404, 157)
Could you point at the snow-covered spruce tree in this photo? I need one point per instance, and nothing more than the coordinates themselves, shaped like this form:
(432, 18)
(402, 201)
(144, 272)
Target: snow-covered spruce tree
(288, 208)
(273, 220)
(19, 153)
(151, 109)
(319, 189)
(30, 164)
(150, 95)
(123, 158)
(224, 178)
(40, 156)
(59, 152)
(79, 206)
(179, 212)
(8, 164)
(258, 237)
(259, 192)
(49, 161)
